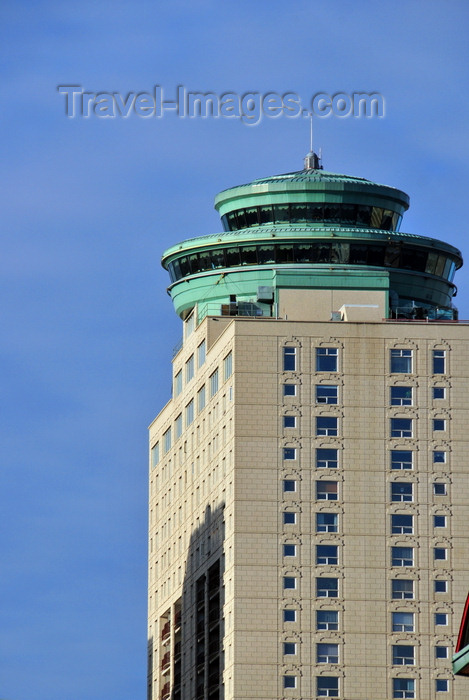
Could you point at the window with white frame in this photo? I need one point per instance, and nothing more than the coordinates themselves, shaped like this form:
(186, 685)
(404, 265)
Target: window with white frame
(289, 485)
(439, 489)
(289, 359)
(402, 556)
(402, 621)
(289, 648)
(439, 392)
(327, 522)
(289, 681)
(326, 458)
(326, 394)
(402, 589)
(327, 359)
(401, 396)
(326, 425)
(401, 427)
(327, 620)
(403, 688)
(440, 586)
(440, 553)
(289, 453)
(289, 517)
(401, 361)
(289, 389)
(401, 491)
(441, 652)
(289, 615)
(327, 554)
(327, 587)
(403, 655)
(439, 361)
(289, 582)
(327, 687)
(439, 521)
(402, 524)
(439, 456)
(327, 490)
(327, 653)
(289, 421)
(441, 685)
(289, 550)
(441, 619)
(439, 424)
(401, 459)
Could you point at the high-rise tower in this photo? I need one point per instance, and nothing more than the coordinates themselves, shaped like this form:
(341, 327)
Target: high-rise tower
(308, 477)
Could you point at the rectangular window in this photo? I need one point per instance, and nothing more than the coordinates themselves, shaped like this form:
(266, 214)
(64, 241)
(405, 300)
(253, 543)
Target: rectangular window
(289, 582)
(441, 685)
(289, 550)
(167, 440)
(401, 361)
(327, 522)
(403, 688)
(289, 681)
(189, 413)
(327, 620)
(201, 398)
(178, 383)
(326, 394)
(289, 453)
(401, 459)
(327, 653)
(190, 368)
(289, 648)
(327, 554)
(327, 587)
(439, 456)
(289, 485)
(402, 524)
(401, 491)
(326, 458)
(440, 553)
(327, 687)
(402, 589)
(326, 490)
(289, 389)
(441, 619)
(439, 424)
(403, 655)
(402, 622)
(401, 396)
(441, 652)
(289, 518)
(440, 586)
(213, 383)
(289, 421)
(439, 489)
(439, 357)
(326, 425)
(402, 556)
(289, 615)
(227, 366)
(178, 426)
(201, 354)
(401, 427)
(439, 521)
(289, 359)
(155, 455)
(326, 359)
(439, 392)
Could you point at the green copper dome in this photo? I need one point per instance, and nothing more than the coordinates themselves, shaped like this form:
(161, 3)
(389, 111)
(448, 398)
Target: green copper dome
(311, 229)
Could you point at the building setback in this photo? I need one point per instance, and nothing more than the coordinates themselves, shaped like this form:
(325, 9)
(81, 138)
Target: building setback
(308, 477)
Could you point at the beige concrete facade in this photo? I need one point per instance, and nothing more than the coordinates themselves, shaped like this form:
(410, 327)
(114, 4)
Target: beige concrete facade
(312, 541)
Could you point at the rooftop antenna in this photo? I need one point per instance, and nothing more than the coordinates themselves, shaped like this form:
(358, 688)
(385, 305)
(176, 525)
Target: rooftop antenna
(312, 162)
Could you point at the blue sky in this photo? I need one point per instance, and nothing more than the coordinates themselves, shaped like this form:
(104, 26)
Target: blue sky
(88, 206)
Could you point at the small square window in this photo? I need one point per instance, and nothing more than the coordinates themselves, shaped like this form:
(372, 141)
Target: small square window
(439, 392)
(402, 556)
(439, 357)
(289, 389)
(401, 427)
(289, 453)
(326, 359)
(440, 586)
(401, 396)
(327, 687)
(403, 655)
(327, 653)
(326, 425)
(289, 550)
(402, 589)
(327, 522)
(289, 648)
(326, 458)
(401, 459)
(439, 489)
(326, 490)
(402, 622)
(289, 615)
(441, 685)
(289, 681)
(401, 361)
(327, 620)
(327, 587)
(326, 394)
(289, 582)
(439, 424)
(439, 553)
(403, 688)
(327, 554)
(289, 485)
(289, 359)
(441, 652)
(289, 518)
(401, 491)
(439, 456)
(441, 619)
(289, 421)
(439, 521)
(402, 524)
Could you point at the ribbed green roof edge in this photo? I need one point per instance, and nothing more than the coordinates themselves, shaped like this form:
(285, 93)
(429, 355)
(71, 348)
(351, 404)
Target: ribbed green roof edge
(461, 661)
